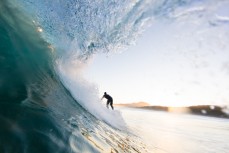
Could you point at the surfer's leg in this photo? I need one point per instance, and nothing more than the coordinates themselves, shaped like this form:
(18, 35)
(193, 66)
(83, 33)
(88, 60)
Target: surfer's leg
(111, 103)
(107, 103)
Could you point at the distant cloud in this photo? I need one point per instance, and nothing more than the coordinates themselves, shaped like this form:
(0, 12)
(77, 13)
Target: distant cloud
(190, 11)
(219, 20)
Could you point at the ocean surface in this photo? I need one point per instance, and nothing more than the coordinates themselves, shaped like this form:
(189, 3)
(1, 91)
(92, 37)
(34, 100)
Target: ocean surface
(178, 133)
(46, 105)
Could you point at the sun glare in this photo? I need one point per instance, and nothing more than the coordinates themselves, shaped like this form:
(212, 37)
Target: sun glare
(39, 29)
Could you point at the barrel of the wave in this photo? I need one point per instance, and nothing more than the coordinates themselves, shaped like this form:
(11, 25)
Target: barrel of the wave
(26, 78)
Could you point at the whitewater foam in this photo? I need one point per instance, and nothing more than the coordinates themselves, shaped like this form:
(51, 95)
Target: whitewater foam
(87, 93)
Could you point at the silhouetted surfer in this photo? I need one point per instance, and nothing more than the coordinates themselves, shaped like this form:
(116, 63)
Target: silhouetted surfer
(109, 100)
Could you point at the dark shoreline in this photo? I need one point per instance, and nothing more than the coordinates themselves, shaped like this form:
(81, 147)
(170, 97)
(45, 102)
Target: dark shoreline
(203, 110)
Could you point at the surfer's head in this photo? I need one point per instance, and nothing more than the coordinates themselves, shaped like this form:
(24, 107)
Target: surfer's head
(105, 93)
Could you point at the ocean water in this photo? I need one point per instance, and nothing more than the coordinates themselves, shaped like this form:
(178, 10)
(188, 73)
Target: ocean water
(45, 104)
(181, 133)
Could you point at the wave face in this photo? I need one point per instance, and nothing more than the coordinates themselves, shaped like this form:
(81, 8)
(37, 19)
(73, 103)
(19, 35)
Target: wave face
(46, 106)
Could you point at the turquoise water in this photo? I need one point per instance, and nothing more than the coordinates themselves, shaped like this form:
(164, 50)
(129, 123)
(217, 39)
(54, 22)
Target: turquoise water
(179, 133)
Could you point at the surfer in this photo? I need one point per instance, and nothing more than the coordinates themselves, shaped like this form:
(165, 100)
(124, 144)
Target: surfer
(109, 100)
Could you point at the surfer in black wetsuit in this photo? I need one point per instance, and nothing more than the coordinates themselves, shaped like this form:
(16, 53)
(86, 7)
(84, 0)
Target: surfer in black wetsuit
(109, 100)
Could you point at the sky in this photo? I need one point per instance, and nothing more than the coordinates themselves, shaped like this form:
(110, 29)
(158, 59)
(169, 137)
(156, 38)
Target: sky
(179, 63)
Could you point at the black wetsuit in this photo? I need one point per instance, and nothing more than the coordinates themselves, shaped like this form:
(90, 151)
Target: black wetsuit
(109, 100)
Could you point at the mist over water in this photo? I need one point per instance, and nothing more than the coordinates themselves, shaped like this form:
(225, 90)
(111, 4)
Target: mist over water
(170, 132)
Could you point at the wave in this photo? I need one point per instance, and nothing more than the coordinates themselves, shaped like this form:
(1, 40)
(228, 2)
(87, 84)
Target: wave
(46, 106)
(42, 109)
